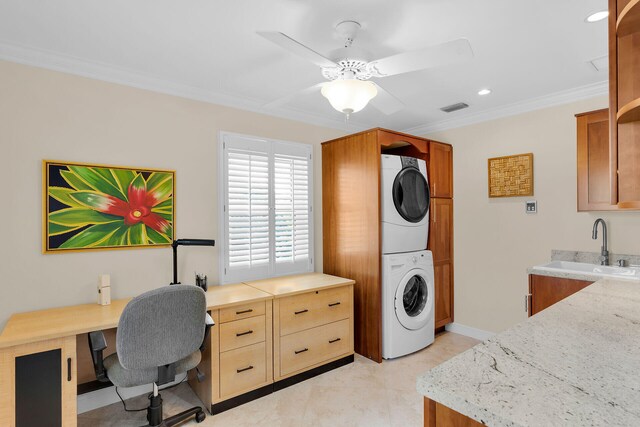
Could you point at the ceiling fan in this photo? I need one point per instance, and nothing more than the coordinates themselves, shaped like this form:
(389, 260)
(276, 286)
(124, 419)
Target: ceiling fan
(349, 88)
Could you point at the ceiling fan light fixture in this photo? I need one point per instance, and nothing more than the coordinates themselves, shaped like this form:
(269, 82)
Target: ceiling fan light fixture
(349, 95)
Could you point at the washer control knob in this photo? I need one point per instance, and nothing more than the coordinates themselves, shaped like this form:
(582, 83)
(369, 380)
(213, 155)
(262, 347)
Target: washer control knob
(414, 259)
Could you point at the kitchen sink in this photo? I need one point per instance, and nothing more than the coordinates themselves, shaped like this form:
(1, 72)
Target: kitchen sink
(632, 273)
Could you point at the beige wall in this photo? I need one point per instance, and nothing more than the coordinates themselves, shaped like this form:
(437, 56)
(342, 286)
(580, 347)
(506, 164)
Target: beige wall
(50, 115)
(495, 241)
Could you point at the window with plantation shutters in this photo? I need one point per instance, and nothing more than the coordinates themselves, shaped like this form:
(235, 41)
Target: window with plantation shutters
(267, 213)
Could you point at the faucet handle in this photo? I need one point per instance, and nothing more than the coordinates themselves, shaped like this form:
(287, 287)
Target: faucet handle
(622, 262)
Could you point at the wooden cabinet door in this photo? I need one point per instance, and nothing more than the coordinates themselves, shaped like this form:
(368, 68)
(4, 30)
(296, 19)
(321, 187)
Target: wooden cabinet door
(443, 286)
(545, 291)
(38, 384)
(594, 177)
(441, 245)
(440, 169)
(441, 229)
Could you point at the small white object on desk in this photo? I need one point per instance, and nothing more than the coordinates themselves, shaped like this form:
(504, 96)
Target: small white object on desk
(104, 290)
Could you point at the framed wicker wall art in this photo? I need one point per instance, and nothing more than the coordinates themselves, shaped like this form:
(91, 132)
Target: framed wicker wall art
(89, 207)
(511, 176)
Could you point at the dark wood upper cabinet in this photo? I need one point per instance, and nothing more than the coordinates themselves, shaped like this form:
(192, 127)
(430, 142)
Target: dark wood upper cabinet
(594, 185)
(624, 102)
(441, 169)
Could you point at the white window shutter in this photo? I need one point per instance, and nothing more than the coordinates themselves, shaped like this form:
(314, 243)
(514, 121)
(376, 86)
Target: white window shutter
(292, 198)
(268, 222)
(248, 240)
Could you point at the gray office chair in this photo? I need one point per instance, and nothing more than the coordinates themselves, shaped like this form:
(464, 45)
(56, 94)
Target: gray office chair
(161, 334)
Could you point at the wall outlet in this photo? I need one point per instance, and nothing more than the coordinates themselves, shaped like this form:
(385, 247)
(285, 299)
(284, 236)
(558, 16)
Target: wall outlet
(104, 289)
(531, 206)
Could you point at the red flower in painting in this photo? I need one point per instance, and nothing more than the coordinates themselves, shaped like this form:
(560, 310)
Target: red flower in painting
(138, 209)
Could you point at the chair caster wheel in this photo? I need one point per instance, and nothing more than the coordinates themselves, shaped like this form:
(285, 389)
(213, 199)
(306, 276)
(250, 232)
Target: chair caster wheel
(200, 416)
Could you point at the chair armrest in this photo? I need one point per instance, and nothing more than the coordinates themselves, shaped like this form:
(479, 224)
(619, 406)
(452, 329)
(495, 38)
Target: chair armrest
(208, 323)
(97, 343)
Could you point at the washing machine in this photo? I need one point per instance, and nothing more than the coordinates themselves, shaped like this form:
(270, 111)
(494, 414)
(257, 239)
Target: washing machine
(405, 203)
(408, 320)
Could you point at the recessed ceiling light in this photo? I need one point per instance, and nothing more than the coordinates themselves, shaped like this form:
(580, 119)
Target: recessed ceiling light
(598, 16)
(484, 92)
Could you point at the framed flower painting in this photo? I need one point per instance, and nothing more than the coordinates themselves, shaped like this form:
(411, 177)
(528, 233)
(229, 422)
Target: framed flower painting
(106, 207)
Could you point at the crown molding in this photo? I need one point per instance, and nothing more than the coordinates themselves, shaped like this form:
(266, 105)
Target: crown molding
(550, 100)
(99, 71)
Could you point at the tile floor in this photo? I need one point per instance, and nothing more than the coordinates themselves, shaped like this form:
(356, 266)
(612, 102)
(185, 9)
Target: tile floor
(360, 394)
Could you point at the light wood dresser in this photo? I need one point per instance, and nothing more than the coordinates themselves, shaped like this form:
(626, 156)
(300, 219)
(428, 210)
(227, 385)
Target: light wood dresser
(312, 322)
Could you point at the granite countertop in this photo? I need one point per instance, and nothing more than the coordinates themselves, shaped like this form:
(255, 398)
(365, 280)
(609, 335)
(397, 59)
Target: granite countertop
(576, 363)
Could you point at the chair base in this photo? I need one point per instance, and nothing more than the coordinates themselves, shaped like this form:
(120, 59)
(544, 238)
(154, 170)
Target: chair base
(154, 414)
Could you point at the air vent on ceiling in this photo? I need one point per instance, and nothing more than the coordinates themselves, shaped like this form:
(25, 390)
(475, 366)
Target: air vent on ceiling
(454, 107)
(600, 64)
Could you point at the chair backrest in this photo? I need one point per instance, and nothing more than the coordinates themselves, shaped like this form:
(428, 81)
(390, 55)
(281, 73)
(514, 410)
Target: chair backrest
(161, 327)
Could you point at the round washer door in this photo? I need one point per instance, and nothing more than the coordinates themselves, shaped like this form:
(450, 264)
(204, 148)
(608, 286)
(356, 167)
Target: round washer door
(413, 302)
(411, 194)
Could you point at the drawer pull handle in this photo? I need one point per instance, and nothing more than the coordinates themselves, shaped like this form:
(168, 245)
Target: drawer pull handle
(301, 311)
(68, 369)
(334, 304)
(244, 369)
(244, 311)
(332, 341)
(244, 333)
(301, 351)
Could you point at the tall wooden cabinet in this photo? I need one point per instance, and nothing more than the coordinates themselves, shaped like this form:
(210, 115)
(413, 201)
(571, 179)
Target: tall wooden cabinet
(441, 228)
(352, 223)
(624, 102)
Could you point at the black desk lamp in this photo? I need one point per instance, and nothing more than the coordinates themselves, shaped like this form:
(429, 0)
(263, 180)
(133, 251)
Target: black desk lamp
(186, 242)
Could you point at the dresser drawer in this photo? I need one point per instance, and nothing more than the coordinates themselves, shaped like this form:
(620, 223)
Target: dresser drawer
(304, 311)
(313, 346)
(241, 333)
(242, 311)
(242, 369)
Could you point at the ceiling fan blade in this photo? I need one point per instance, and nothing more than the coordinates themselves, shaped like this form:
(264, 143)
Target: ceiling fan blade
(285, 99)
(386, 102)
(286, 42)
(433, 56)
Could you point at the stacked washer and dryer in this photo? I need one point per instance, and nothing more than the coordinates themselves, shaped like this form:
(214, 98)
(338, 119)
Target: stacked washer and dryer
(407, 269)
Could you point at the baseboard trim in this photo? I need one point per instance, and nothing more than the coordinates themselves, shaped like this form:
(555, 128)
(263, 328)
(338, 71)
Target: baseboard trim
(225, 405)
(468, 331)
(279, 385)
(303, 376)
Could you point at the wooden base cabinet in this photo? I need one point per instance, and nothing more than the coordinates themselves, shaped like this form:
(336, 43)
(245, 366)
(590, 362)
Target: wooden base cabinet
(312, 329)
(438, 415)
(239, 355)
(38, 384)
(544, 291)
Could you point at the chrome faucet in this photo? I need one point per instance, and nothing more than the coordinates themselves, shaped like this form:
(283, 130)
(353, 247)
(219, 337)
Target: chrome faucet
(604, 253)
